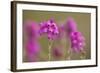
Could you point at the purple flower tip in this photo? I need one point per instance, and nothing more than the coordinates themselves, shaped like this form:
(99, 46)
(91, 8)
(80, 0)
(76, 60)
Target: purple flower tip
(71, 24)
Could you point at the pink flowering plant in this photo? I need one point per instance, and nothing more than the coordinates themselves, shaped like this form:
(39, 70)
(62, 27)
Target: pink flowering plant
(32, 44)
(51, 30)
(77, 39)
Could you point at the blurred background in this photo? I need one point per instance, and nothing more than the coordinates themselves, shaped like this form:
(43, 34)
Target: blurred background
(63, 45)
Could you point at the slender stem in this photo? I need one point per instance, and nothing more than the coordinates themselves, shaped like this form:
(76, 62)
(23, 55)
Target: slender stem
(50, 46)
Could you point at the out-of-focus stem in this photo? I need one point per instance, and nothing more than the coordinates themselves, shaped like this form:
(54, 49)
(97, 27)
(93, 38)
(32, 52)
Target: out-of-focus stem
(69, 54)
(83, 53)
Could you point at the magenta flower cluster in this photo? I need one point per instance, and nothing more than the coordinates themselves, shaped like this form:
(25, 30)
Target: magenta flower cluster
(50, 28)
(76, 37)
(77, 41)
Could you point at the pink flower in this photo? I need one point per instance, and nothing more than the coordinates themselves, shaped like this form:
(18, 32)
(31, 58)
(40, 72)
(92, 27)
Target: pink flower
(32, 46)
(50, 28)
(76, 37)
(77, 41)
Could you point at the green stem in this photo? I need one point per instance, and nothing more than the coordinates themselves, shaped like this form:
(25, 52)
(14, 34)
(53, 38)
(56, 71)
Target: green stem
(50, 46)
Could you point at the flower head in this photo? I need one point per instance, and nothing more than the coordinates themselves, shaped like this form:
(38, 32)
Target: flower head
(76, 37)
(77, 41)
(50, 28)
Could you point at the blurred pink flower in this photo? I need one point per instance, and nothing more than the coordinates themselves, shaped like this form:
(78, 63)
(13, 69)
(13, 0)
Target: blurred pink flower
(71, 25)
(31, 29)
(57, 52)
(76, 37)
(32, 45)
